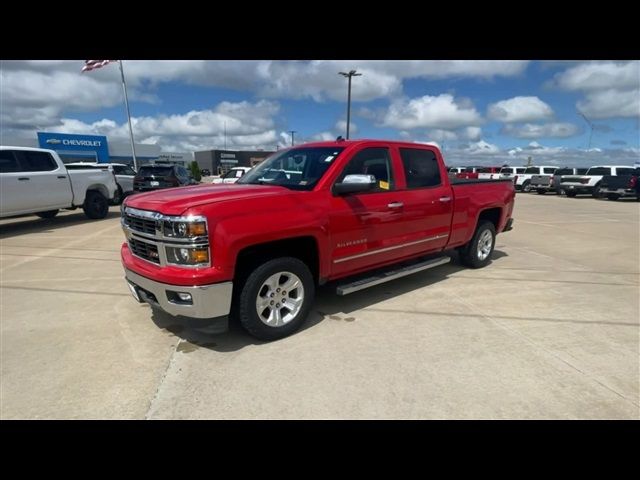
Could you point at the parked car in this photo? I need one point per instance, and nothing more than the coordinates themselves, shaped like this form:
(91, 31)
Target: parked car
(523, 182)
(380, 209)
(205, 173)
(232, 176)
(35, 180)
(551, 183)
(590, 183)
(156, 177)
(123, 172)
(619, 186)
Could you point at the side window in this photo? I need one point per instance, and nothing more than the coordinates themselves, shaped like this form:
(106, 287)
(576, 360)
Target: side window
(372, 161)
(8, 162)
(520, 170)
(128, 171)
(38, 161)
(550, 170)
(421, 167)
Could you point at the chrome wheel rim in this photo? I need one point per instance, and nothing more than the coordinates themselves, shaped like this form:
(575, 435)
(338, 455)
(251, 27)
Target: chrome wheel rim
(280, 299)
(485, 242)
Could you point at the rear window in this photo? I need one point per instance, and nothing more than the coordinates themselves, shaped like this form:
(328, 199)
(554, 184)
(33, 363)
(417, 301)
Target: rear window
(520, 170)
(549, 170)
(624, 171)
(8, 162)
(599, 171)
(506, 171)
(533, 170)
(160, 171)
(38, 161)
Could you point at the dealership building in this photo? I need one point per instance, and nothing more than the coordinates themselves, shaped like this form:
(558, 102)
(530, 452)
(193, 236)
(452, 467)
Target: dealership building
(218, 162)
(96, 148)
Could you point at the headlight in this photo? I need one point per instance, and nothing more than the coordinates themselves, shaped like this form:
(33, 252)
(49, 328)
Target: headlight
(193, 256)
(185, 229)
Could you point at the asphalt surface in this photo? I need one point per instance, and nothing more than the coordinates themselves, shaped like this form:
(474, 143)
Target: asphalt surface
(550, 329)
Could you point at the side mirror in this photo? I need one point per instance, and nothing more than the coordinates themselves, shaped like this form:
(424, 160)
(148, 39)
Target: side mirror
(355, 184)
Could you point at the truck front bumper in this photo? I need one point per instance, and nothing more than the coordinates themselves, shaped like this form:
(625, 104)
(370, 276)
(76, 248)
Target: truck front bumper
(202, 301)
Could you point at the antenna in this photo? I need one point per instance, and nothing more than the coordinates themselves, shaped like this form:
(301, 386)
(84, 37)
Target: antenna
(590, 126)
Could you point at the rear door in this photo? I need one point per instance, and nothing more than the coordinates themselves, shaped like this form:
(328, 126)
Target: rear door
(124, 175)
(427, 201)
(366, 228)
(12, 190)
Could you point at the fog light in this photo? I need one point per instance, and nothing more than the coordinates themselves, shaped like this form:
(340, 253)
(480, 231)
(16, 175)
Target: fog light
(185, 297)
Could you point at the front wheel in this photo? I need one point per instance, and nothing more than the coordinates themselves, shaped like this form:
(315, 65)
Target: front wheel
(570, 194)
(613, 196)
(597, 192)
(541, 191)
(276, 298)
(526, 187)
(95, 206)
(477, 252)
(48, 214)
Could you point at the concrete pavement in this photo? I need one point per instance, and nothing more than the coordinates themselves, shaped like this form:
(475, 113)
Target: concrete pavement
(549, 330)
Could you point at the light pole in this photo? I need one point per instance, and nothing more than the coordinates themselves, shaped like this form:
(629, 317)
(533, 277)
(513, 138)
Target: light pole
(292, 132)
(351, 73)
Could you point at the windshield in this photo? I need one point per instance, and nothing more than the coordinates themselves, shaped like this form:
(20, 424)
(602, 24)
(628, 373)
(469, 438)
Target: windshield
(234, 173)
(296, 168)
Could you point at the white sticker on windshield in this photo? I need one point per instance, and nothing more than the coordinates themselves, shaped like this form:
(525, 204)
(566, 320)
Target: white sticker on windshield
(329, 158)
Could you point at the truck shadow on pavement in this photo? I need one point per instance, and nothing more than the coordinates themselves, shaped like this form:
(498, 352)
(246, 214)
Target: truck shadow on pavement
(328, 306)
(31, 224)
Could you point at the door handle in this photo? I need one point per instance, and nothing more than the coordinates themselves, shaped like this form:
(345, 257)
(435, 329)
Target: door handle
(62, 176)
(445, 199)
(22, 179)
(395, 205)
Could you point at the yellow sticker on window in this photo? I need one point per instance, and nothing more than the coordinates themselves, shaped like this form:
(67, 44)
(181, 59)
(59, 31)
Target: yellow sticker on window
(384, 185)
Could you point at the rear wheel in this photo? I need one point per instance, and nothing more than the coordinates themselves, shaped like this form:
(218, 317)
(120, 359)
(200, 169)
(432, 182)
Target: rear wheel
(95, 206)
(597, 192)
(48, 214)
(276, 298)
(570, 194)
(613, 196)
(526, 186)
(477, 253)
(541, 191)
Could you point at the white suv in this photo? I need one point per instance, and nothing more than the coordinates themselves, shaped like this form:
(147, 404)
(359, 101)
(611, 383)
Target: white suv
(524, 179)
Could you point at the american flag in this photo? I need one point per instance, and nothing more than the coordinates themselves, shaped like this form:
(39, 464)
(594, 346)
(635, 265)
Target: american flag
(93, 64)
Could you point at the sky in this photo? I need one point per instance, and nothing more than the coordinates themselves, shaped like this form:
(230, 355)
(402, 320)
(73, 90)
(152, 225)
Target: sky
(478, 112)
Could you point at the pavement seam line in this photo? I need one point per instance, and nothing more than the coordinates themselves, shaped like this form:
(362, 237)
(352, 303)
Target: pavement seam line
(542, 347)
(164, 376)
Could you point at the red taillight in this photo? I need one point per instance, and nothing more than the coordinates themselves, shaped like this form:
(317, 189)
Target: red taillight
(584, 180)
(633, 182)
(551, 180)
(515, 179)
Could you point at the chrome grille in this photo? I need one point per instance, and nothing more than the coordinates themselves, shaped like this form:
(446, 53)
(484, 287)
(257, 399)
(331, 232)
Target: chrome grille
(140, 224)
(147, 251)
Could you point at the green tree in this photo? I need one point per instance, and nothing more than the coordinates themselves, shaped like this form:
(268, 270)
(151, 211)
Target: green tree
(195, 170)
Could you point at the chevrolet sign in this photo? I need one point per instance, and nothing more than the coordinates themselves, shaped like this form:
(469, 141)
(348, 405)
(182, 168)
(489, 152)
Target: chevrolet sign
(54, 141)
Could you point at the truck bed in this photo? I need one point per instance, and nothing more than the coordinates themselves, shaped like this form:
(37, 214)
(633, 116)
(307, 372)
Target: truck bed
(467, 181)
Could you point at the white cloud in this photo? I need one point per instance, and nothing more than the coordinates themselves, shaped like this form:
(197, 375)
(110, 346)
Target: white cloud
(612, 89)
(248, 125)
(610, 104)
(519, 109)
(439, 135)
(341, 128)
(600, 76)
(472, 133)
(442, 112)
(481, 148)
(530, 130)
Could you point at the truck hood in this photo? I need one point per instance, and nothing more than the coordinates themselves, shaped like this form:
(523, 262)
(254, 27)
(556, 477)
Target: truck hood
(174, 201)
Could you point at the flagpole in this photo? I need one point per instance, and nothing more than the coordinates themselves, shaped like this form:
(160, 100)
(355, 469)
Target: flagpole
(126, 102)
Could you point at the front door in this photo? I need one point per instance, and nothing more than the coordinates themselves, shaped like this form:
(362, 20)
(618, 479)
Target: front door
(366, 228)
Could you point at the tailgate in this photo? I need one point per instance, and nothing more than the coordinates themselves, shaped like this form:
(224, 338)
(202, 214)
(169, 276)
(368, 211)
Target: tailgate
(543, 180)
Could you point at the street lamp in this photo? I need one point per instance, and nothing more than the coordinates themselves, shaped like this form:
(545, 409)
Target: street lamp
(292, 132)
(352, 73)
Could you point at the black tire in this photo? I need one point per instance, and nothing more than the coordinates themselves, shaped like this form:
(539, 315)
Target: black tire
(95, 206)
(247, 311)
(526, 187)
(118, 196)
(570, 194)
(48, 214)
(597, 193)
(613, 196)
(469, 255)
(541, 191)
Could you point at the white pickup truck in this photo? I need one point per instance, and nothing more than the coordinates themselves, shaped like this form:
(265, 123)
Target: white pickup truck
(590, 182)
(34, 180)
(523, 182)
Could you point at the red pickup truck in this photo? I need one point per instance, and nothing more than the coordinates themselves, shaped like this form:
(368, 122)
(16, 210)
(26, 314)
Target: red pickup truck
(361, 212)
